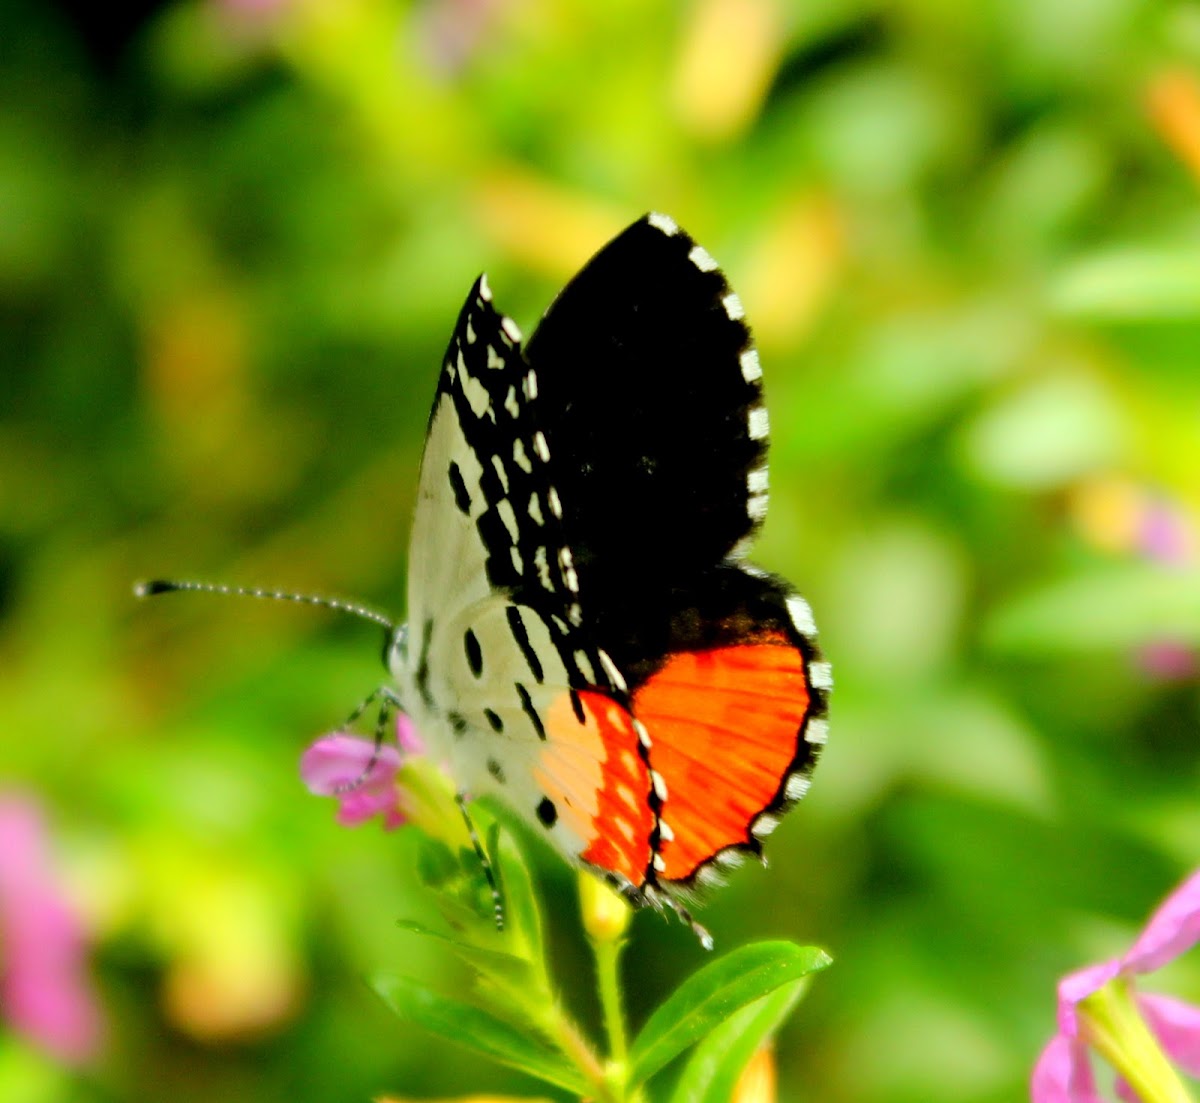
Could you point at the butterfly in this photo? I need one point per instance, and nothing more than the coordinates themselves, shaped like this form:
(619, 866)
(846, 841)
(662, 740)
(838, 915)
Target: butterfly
(585, 638)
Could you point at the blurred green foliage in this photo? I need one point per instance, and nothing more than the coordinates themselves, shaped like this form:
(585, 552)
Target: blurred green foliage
(232, 246)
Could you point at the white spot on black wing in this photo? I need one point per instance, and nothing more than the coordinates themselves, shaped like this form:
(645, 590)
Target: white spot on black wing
(816, 732)
(540, 560)
(501, 474)
(796, 787)
(663, 222)
(508, 515)
(520, 457)
(821, 675)
(751, 368)
(802, 616)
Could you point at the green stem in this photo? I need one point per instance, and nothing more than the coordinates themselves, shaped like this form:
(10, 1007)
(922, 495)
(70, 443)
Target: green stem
(1115, 1029)
(608, 956)
(570, 1039)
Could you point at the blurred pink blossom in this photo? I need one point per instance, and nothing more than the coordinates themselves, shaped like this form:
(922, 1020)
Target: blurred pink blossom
(1063, 1073)
(1168, 660)
(1165, 534)
(333, 765)
(454, 30)
(45, 991)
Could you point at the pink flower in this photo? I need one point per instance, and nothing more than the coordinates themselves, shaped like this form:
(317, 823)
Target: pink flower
(334, 765)
(45, 993)
(1099, 1008)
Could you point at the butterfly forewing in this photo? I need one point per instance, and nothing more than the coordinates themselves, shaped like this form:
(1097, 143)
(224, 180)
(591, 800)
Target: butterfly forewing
(502, 673)
(584, 638)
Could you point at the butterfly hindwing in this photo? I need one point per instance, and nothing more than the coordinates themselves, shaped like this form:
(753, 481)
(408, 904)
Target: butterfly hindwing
(733, 697)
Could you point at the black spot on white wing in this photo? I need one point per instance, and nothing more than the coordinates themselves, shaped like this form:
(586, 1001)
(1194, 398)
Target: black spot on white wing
(474, 653)
(530, 711)
(520, 634)
(422, 674)
(462, 498)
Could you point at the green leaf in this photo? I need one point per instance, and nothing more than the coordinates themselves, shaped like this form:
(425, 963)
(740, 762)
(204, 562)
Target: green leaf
(713, 1069)
(522, 914)
(1137, 282)
(457, 882)
(707, 998)
(505, 968)
(436, 863)
(1106, 609)
(478, 1030)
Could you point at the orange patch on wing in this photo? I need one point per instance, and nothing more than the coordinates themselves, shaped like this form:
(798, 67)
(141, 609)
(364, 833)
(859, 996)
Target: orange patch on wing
(724, 726)
(599, 783)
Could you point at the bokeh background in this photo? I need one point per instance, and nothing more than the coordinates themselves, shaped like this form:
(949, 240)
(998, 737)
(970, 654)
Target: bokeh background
(234, 235)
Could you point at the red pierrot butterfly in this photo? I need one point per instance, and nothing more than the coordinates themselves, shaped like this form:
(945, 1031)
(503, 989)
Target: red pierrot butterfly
(585, 640)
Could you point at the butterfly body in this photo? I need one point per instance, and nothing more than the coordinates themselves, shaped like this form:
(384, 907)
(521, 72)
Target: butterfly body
(584, 639)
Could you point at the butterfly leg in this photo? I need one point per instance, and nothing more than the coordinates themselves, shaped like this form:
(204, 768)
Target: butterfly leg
(389, 702)
(488, 872)
(371, 698)
(660, 899)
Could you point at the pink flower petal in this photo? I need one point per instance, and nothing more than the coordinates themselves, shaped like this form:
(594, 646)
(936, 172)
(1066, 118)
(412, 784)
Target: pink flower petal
(1176, 1025)
(333, 767)
(406, 735)
(45, 992)
(1078, 986)
(1062, 1074)
(337, 760)
(1173, 928)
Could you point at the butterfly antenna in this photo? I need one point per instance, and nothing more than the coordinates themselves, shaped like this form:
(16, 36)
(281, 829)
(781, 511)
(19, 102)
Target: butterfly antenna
(166, 586)
(488, 872)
